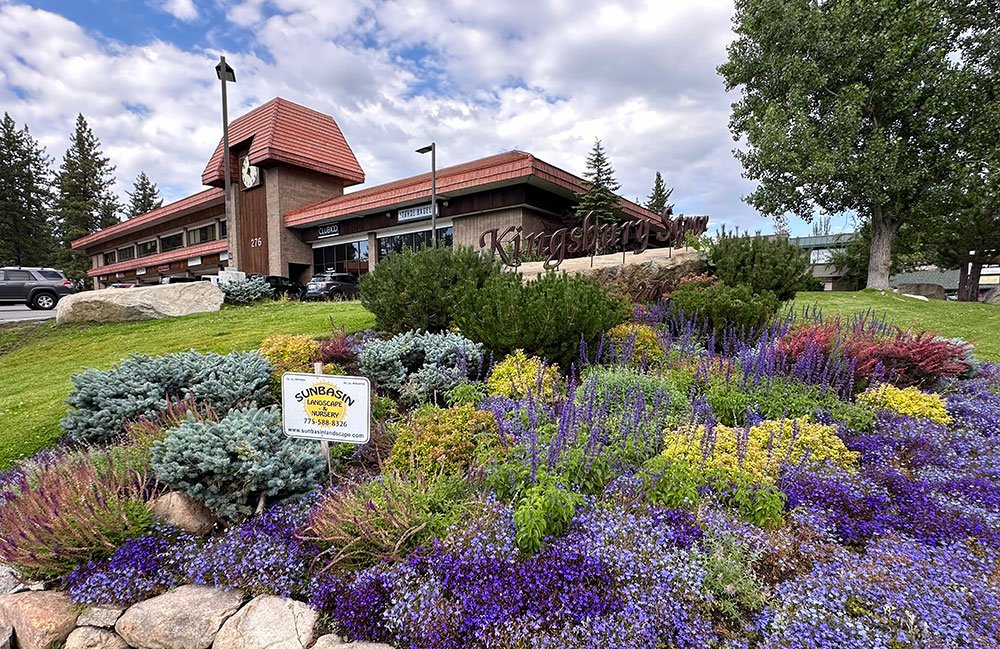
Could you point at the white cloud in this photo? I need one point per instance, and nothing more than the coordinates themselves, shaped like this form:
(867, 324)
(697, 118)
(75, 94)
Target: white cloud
(545, 76)
(181, 9)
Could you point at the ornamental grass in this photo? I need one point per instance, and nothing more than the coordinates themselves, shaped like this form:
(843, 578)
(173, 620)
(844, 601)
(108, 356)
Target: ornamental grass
(72, 510)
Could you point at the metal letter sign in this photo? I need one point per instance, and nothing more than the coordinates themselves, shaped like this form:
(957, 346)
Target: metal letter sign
(327, 408)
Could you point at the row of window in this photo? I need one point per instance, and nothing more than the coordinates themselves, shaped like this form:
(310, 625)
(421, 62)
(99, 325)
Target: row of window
(176, 241)
(353, 257)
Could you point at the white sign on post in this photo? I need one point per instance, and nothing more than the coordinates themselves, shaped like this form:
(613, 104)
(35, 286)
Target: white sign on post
(325, 407)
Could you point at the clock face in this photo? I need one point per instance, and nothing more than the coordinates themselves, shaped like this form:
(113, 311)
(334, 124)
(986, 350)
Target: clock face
(250, 173)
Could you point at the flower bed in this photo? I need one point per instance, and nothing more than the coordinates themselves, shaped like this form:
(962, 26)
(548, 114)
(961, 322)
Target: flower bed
(787, 485)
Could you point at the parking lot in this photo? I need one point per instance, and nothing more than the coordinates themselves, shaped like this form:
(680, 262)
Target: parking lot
(17, 312)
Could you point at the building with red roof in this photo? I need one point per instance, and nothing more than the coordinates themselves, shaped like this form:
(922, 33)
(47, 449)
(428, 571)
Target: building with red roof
(292, 216)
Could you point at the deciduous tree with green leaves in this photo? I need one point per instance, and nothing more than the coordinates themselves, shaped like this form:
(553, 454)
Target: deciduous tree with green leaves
(85, 202)
(25, 198)
(659, 197)
(143, 198)
(848, 105)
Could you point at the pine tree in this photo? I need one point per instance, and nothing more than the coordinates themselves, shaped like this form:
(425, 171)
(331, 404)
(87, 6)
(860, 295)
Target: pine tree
(657, 201)
(25, 198)
(601, 195)
(143, 198)
(85, 202)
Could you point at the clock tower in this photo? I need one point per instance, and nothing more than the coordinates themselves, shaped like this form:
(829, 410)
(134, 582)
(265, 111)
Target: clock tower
(284, 156)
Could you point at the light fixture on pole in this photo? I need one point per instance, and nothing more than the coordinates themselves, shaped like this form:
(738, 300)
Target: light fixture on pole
(432, 149)
(227, 74)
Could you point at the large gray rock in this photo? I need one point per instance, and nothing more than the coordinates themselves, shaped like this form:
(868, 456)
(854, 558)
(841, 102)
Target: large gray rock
(186, 618)
(89, 637)
(931, 291)
(642, 277)
(334, 642)
(9, 580)
(102, 616)
(268, 622)
(6, 637)
(144, 303)
(183, 511)
(40, 619)
(992, 296)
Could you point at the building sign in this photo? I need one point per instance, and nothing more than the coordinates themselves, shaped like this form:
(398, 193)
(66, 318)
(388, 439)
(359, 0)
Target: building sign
(163, 268)
(331, 230)
(140, 271)
(413, 213)
(327, 408)
(513, 245)
(194, 261)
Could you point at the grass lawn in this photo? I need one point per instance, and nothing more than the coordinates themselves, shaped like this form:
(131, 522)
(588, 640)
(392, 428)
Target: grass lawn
(977, 323)
(38, 358)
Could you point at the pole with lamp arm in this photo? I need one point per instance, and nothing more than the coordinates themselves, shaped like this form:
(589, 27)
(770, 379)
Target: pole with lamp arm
(432, 149)
(227, 74)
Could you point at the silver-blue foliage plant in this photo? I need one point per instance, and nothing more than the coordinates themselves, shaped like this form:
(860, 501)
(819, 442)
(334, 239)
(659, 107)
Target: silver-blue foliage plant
(417, 366)
(246, 291)
(238, 464)
(104, 401)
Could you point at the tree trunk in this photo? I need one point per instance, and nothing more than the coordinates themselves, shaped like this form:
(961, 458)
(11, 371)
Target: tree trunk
(880, 257)
(963, 282)
(972, 291)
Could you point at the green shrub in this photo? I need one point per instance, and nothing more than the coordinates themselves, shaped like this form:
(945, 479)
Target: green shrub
(419, 367)
(362, 524)
(246, 291)
(103, 402)
(736, 593)
(72, 510)
(639, 344)
(671, 484)
(445, 441)
(468, 393)
(288, 349)
(419, 290)
(765, 264)
(622, 383)
(237, 464)
(545, 510)
(722, 306)
(517, 376)
(547, 318)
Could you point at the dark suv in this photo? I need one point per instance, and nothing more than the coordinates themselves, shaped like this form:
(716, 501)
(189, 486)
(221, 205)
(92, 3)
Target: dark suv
(332, 286)
(284, 287)
(39, 288)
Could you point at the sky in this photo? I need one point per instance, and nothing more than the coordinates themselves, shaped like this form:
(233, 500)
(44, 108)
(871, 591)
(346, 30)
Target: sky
(477, 77)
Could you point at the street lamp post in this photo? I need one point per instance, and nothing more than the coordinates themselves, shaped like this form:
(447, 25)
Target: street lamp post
(432, 149)
(227, 74)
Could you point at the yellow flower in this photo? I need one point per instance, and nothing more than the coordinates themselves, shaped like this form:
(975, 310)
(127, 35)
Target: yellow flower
(910, 402)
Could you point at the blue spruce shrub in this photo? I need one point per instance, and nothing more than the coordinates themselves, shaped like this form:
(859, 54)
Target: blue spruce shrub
(417, 366)
(103, 401)
(246, 291)
(237, 464)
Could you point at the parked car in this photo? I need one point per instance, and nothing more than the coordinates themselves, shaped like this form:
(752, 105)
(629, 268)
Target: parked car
(39, 288)
(179, 280)
(284, 287)
(332, 286)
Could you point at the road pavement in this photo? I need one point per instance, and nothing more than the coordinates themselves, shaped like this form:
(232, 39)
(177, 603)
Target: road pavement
(18, 312)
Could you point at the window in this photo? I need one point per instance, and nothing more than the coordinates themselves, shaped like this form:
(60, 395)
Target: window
(820, 256)
(201, 235)
(109, 258)
(172, 242)
(413, 241)
(51, 274)
(19, 276)
(125, 254)
(222, 229)
(146, 248)
(349, 258)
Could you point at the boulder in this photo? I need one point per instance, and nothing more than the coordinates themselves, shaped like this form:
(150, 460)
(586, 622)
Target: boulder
(102, 616)
(183, 511)
(90, 637)
(143, 303)
(642, 277)
(9, 580)
(186, 618)
(992, 296)
(6, 636)
(931, 291)
(334, 642)
(268, 622)
(41, 619)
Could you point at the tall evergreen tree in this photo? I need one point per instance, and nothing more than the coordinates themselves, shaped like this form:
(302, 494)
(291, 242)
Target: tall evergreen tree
(25, 198)
(657, 201)
(143, 198)
(601, 195)
(85, 202)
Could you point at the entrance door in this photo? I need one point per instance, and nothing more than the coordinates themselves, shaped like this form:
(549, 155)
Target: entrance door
(253, 230)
